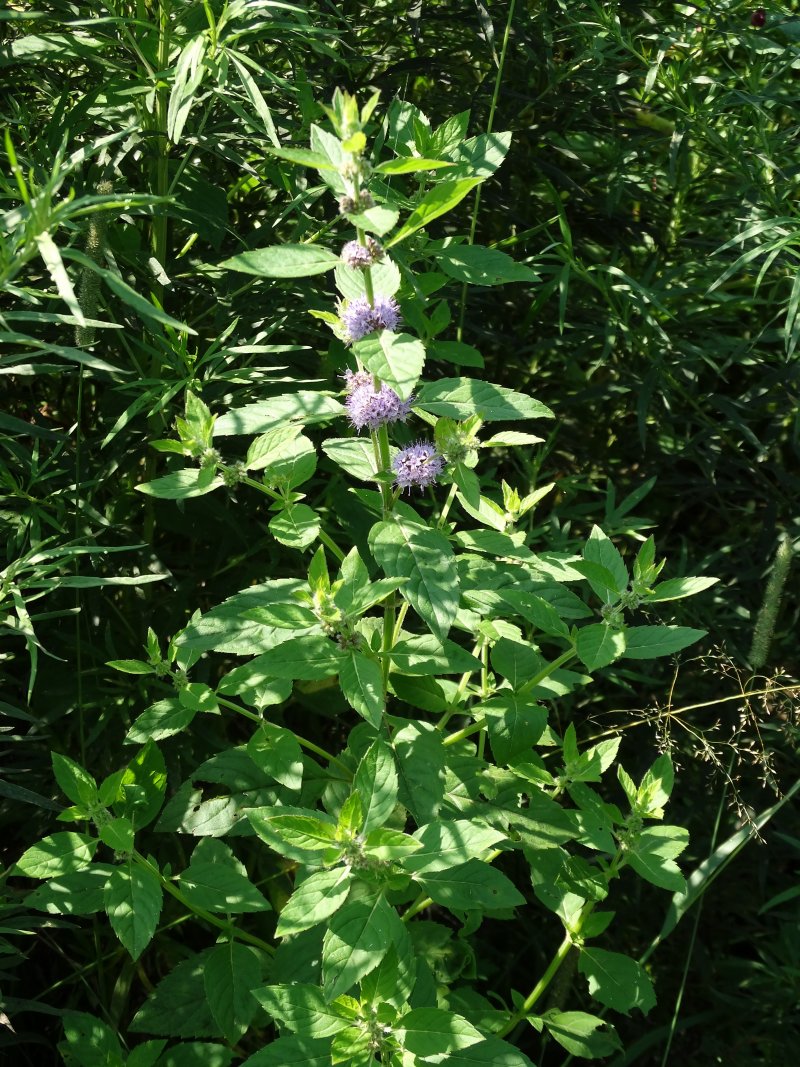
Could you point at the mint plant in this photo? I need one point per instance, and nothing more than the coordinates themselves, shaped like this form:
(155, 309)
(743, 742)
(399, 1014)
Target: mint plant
(337, 885)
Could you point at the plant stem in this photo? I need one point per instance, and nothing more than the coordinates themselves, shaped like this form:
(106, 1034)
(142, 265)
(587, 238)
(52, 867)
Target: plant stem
(495, 96)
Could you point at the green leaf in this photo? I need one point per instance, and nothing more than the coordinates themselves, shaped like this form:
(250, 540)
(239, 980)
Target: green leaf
(297, 526)
(428, 1032)
(599, 549)
(143, 786)
(491, 1052)
(472, 885)
(160, 720)
(79, 893)
(183, 484)
(409, 165)
(89, 1042)
(283, 261)
(178, 1007)
(130, 666)
(598, 645)
(649, 642)
(231, 972)
(292, 1051)
(303, 157)
(76, 783)
(271, 446)
(515, 724)
(455, 352)
(405, 549)
(449, 844)
(675, 588)
(57, 855)
(303, 406)
(616, 981)
(477, 265)
(118, 834)
(304, 658)
(516, 661)
(276, 752)
(376, 783)
(652, 854)
(133, 904)
(354, 455)
(426, 655)
(196, 1054)
(303, 1009)
(361, 681)
(396, 358)
(314, 901)
(420, 763)
(458, 398)
(582, 1034)
(220, 888)
(439, 200)
(357, 939)
(481, 156)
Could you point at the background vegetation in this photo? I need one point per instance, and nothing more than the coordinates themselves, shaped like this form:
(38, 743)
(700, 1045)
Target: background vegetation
(652, 185)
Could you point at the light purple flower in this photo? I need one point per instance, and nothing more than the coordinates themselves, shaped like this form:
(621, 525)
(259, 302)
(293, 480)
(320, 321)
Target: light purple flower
(359, 317)
(418, 465)
(354, 379)
(356, 255)
(366, 407)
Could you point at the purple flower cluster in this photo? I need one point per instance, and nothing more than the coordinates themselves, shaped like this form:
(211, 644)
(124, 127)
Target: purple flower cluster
(360, 317)
(367, 407)
(418, 465)
(356, 255)
(359, 256)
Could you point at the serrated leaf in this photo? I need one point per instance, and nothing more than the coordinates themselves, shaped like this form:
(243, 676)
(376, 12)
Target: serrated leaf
(75, 782)
(277, 753)
(232, 970)
(515, 724)
(616, 981)
(283, 261)
(133, 904)
(433, 1032)
(582, 1034)
(220, 888)
(361, 682)
(314, 901)
(458, 398)
(652, 854)
(477, 265)
(396, 358)
(599, 549)
(449, 844)
(597, 645)
(649, 642)
(304, 1009)
(439, 200)
(357, 939)
(178, 1006)
(79, 893)
(292, 1051)
(160, 720)
(376, 783)
(471, 885)
(183, 484)
(405, 549)
(57, 855)
(675, 588)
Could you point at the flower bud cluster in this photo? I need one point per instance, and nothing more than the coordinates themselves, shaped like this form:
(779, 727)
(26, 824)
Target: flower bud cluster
(373, 408)
(360, 257)
(359, 317)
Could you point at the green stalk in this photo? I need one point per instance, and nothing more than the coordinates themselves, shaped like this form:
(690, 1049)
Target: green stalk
(495, 97)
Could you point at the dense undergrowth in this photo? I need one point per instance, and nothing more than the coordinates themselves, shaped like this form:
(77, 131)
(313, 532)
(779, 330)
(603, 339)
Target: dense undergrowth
(598, 250)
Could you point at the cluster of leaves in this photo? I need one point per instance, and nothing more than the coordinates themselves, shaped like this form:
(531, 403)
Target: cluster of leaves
(406, 817)
(650, 167)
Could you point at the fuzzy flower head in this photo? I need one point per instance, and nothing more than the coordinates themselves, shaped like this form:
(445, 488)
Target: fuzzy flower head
(356, 255)
(359, 317)
(367, 407)
(418, 465)
(354, 379)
